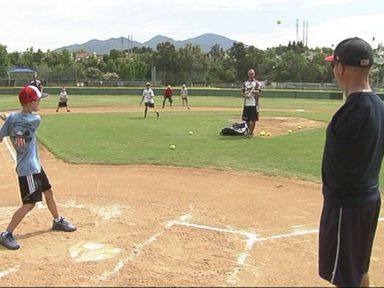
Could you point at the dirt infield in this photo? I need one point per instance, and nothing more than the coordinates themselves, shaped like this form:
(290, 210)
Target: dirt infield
(168, 226)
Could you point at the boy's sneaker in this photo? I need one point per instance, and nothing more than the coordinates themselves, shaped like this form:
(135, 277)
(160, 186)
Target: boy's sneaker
(63, 225)
(8, 241)
(158, 115)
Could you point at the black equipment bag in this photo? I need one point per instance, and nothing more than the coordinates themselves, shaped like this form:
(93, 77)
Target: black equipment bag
(237, 129)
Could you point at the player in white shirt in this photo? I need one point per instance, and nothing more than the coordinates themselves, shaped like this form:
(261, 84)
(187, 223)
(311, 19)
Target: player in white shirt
(148, 99)
(251, 92)
(184, 96)
(63, 100)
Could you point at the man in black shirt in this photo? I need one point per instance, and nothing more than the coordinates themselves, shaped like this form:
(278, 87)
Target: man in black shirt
(352, 158)
(37, 83)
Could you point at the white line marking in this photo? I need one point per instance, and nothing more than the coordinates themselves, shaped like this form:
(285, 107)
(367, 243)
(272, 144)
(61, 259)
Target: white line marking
(10, 149)
(280, 236)
(232, 279)
(106, 213)
(252, 238)
(216, 229)
(40, 205)
(9, 271)
(139, 247)
(7, 212)
(249, 235)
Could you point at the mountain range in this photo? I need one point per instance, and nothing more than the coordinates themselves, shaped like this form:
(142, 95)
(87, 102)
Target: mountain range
(205, 41)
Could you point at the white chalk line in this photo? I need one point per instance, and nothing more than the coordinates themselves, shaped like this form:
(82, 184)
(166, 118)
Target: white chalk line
(139, 247)
(241, 258)
(104, 212)
(216, 229)
(232, 279)
(9, 271)
(10, 149)
(252, 238)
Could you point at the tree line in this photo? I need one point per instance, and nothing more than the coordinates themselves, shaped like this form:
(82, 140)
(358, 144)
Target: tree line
(189, 64)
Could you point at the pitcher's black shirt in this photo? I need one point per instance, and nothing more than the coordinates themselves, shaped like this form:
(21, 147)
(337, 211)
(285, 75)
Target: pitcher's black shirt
(353, 151)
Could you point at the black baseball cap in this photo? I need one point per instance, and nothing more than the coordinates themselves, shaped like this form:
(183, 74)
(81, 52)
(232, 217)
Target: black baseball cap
(352, 52)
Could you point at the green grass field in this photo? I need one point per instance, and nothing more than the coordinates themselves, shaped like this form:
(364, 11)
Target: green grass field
(127, 138)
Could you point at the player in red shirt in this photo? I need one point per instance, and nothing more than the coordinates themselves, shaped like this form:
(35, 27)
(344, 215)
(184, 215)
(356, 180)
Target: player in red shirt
(168, 92)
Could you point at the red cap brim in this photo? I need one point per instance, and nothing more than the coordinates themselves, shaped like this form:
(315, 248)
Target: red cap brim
(330, 58)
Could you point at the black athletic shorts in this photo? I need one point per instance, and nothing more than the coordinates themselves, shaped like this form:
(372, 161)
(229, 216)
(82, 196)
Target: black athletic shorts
(32, 186)
(250, 113)
(63, 104)
(149, 104)
(345, 243)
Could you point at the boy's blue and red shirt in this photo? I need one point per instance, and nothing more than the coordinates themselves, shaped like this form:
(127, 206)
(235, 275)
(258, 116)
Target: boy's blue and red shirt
(22, 128)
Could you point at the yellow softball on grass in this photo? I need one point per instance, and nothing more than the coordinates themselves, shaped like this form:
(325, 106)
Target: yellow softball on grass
(172, 147)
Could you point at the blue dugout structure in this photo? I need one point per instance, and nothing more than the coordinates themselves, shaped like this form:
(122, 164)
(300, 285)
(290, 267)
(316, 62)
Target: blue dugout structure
(22, 72)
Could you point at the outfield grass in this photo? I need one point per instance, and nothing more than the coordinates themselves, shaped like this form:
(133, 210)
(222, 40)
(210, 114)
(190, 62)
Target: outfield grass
(126, 138)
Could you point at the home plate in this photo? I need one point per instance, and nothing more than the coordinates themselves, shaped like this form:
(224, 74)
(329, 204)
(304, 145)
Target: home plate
(92, 251)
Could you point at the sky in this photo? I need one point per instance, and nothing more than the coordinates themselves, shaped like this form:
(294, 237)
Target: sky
(52, 24)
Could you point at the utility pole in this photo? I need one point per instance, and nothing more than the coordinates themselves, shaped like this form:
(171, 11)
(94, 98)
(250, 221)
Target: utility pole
(297, 30)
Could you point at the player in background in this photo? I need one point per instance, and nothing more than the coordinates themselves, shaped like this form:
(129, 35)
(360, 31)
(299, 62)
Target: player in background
(251, 92)
(148, 98)
(168, 92)
(184, 96)
(21, 128)
(63, 100)
(37, 83)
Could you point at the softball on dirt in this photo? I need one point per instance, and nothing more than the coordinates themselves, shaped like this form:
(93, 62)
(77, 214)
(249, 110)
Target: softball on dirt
(262, 133)
(190, 132)
(299, 127)
(268, 134)
(172, 147)
(289, 131)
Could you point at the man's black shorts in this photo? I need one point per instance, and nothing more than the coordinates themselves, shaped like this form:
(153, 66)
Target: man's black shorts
(32, 186)
(149, 104)
(345, 242)
(250, 113)
(63, 104)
